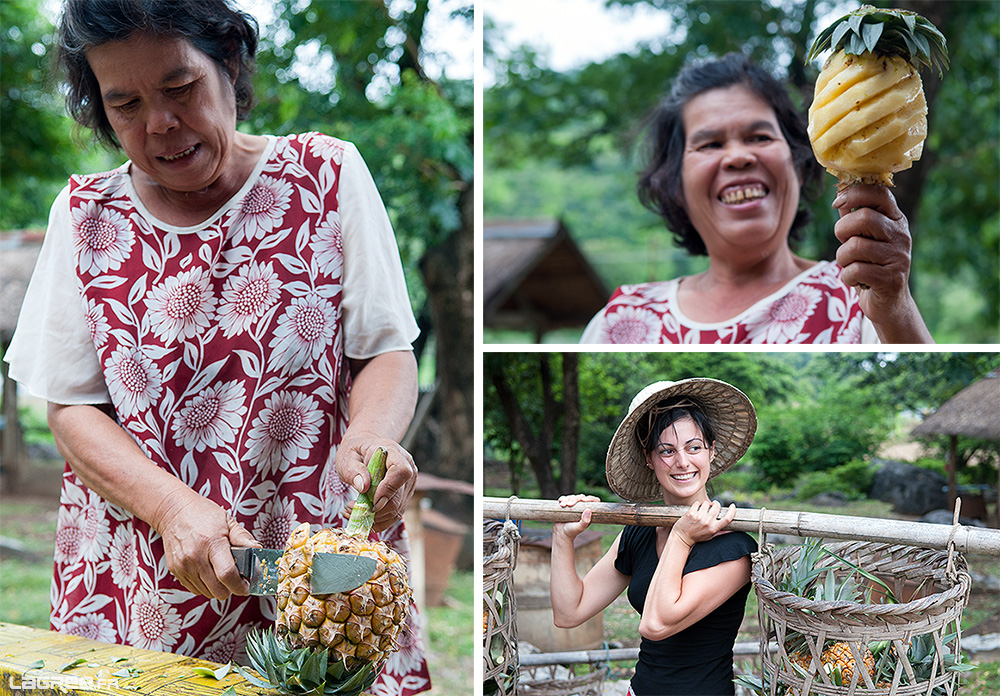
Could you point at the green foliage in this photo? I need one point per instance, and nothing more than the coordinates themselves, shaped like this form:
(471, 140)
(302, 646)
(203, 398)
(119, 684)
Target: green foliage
(833, 427)
(852, 480)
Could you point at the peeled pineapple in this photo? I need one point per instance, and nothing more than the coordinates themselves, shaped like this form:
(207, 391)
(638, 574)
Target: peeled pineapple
(336, 643)
(868, 118)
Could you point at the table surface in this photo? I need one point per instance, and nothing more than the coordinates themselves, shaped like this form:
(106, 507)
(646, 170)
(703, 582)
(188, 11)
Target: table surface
(152, 672)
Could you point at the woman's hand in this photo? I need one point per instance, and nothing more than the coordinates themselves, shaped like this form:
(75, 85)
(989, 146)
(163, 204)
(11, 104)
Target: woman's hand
(702, 522)
(197, 539)
(394, 493)
(571, 530)
(875, 255)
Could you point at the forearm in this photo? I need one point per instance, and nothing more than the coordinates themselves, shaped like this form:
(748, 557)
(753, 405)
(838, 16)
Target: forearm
(383, 395)
(110, 463)
(565, 586)
(662, 610)
(904, 326)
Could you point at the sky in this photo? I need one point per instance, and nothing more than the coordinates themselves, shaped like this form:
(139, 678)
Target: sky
(572, 33)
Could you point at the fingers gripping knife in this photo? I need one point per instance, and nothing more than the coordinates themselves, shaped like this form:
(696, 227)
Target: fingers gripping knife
(331, 572)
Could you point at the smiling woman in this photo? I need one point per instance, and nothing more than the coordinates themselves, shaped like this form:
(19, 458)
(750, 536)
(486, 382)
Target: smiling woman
(729, 165)
(222, 331)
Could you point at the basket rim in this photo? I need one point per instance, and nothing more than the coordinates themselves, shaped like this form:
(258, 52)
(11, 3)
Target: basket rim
(763, 585)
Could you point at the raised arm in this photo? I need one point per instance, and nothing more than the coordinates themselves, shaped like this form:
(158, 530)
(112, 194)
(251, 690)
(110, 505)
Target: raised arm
(675, 601)
(197, 533)
(576, 599)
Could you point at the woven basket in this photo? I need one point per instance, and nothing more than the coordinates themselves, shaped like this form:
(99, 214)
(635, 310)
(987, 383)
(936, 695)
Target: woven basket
(500, 541)
(545, 681)
(933, 613)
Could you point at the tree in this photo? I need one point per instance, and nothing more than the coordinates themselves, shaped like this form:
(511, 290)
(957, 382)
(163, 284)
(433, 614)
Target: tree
(536, 409)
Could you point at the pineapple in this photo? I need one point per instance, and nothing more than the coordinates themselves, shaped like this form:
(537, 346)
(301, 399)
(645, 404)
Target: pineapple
(335, 643)
(868, 118)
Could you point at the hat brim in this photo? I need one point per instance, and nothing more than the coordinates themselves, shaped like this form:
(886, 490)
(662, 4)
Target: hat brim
(732, 416)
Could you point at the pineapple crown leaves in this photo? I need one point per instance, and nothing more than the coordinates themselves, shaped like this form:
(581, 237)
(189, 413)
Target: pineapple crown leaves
(885, 33)
(301, 671)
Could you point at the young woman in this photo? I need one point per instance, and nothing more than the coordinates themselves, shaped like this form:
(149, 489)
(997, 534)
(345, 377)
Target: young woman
(688, 582)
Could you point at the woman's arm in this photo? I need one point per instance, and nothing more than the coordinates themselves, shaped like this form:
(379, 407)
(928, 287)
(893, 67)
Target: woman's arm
(197, 533)
(383, 398)
(574, 600)
(675, 601)
(875, 255)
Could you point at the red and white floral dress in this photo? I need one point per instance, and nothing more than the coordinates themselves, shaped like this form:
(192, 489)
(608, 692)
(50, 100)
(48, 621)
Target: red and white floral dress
(224, 350)
(814, 307)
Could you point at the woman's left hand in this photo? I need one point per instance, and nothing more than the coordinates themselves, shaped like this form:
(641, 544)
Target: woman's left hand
(875, 255)
(394, 493)
(702, 522)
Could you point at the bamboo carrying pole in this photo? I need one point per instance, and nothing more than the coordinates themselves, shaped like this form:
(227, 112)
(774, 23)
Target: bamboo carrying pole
(803, 524)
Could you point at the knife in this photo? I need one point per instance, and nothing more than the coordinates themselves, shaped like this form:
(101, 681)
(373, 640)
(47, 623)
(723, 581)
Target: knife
(331, 572)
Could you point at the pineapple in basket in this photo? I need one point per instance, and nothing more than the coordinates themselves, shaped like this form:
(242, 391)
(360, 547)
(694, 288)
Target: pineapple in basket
(806, 580)
(868, 118)
(337, 643)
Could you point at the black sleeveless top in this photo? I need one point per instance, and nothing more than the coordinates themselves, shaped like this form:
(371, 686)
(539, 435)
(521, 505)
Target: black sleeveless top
(699, 659)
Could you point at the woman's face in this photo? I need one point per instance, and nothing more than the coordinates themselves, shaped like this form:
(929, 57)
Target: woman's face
(173, 110)
(741, 189)
(682, 461)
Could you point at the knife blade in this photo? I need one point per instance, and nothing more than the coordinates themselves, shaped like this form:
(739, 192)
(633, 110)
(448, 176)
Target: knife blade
(331, 572)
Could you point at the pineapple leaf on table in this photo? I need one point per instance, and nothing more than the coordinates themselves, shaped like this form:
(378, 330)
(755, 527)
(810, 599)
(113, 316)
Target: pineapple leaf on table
(868, 118)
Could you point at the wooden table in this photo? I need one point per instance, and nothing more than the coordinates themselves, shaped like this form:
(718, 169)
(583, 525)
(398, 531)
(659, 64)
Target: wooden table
(160, 673)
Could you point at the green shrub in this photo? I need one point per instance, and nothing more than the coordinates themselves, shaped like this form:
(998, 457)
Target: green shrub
(852, 480)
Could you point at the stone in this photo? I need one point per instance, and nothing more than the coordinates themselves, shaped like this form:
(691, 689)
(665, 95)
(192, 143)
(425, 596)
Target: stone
(910, 489)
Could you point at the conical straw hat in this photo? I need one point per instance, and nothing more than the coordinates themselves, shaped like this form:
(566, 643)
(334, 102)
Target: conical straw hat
(728, 409)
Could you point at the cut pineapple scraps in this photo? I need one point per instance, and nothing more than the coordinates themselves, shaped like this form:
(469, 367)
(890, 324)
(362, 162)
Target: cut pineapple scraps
(868, 118)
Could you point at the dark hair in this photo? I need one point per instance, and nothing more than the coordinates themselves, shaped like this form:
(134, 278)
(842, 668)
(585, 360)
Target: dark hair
(668, 412)
(660, 183)
(226, 35)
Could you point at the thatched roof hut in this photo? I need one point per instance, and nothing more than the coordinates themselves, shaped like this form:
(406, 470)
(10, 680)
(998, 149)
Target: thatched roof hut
(536, 278)
(973, 412)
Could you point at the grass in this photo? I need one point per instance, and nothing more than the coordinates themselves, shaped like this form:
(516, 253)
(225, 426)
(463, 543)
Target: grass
(449, 638)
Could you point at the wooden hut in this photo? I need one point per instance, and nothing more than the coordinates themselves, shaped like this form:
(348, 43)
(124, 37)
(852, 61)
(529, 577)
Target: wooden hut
(973, 412)
(536, 278)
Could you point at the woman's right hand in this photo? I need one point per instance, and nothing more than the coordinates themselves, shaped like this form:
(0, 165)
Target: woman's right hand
(198, 537)
(571, 530)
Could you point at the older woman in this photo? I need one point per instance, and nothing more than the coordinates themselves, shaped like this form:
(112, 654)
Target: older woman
(729, 162)
(222, 331)
(690, 582)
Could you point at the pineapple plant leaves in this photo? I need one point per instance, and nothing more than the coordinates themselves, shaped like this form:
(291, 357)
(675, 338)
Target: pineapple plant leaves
(868, 118)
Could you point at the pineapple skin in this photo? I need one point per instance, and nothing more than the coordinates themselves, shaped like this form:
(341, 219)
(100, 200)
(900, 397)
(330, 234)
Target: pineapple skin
(356, 627)
(868, 118)
(839, 655)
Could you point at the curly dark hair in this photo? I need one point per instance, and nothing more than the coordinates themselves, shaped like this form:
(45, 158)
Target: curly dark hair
(226, 35)
(660, 185)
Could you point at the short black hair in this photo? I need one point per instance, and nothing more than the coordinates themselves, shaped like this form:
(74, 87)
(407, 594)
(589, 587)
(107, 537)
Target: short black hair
(226, 35)
(660, 186)
(668, 412)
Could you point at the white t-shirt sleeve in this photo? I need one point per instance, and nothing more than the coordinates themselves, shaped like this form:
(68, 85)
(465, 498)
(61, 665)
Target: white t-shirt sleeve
(376, 312)
(52, 354)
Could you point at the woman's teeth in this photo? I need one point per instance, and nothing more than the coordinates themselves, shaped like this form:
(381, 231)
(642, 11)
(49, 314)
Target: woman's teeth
(743, 193)
(172, 158)
(684, 477)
